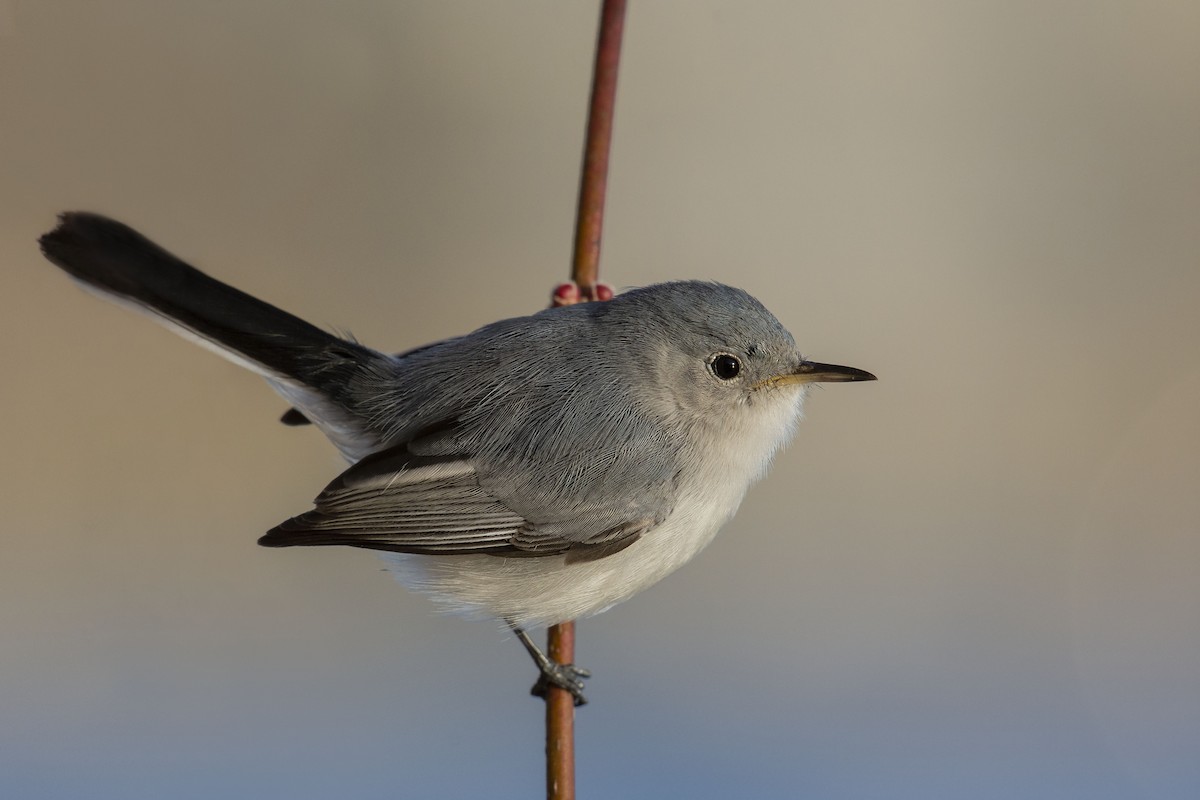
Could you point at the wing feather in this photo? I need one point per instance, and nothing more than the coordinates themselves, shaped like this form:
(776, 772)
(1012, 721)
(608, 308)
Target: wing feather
(394, 500)
(435, 504)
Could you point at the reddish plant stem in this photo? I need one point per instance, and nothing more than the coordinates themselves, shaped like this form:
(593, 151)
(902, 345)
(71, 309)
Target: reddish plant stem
(594, 181)
(585, 268)
(560, 720)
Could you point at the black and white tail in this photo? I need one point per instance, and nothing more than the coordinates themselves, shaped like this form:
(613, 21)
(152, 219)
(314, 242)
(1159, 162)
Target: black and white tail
(313, 369)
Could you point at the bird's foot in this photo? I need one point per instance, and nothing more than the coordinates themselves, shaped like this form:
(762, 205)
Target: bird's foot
(565, 676)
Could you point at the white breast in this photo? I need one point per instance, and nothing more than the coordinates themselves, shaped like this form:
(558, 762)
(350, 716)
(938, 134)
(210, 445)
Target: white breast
(532, 592)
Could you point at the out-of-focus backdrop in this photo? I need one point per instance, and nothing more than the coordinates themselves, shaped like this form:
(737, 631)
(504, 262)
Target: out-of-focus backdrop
(978, 577)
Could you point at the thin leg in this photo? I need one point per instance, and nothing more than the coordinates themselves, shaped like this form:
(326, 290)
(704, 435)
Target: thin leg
(564, 676)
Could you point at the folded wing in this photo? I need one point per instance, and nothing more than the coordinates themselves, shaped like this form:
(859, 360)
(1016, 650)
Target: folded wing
(434, 505)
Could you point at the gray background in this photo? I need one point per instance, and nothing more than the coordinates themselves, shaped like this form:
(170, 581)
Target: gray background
(975, 578)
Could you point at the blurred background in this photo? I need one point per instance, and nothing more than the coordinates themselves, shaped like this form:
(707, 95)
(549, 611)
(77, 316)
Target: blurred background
(978, 577)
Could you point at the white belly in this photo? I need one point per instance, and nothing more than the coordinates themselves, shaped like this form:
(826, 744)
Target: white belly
(537, 591)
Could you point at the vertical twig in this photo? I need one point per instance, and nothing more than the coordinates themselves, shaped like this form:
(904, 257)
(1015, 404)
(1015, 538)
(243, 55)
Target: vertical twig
(560, 720)
(560, 706)
(594, 180)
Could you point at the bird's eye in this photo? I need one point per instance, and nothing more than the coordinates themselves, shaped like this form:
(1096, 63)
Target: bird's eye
(725, 366)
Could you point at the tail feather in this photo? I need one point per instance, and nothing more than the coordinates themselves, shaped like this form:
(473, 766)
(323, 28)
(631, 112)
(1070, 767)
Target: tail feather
(117, 260)
(312, 368)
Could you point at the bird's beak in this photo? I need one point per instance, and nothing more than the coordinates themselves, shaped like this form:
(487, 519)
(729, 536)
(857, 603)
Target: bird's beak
(815, 372)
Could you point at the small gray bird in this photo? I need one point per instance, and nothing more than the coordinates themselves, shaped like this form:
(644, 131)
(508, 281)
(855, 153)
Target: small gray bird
(538, 470)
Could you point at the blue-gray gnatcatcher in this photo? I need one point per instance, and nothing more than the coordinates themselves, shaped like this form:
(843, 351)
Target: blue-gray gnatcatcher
(538, 470)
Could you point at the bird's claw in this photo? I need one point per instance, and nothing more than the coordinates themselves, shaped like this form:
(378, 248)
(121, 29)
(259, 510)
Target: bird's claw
(567, 677)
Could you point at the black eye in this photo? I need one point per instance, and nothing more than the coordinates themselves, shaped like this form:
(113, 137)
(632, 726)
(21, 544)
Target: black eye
(725, 367)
